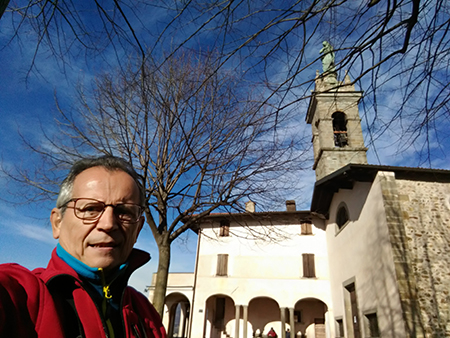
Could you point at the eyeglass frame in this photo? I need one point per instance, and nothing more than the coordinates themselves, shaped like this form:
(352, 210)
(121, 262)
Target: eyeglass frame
(75, 200)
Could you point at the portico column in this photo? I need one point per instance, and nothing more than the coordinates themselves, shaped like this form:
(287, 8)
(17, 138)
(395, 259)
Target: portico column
(186, 319)
(292, 322)
(181, 322)
(245, 308)
(208, 326)
(283, 322)
(237, 316)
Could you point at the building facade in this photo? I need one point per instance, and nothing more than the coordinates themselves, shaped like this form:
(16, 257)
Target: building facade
(256, 271)
(369, 259)
(388, 242)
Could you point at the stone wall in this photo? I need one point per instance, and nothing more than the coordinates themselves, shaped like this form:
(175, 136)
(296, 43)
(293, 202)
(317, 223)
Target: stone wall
(333, 159)
(425, 210)
(402, 256)
(331, 96)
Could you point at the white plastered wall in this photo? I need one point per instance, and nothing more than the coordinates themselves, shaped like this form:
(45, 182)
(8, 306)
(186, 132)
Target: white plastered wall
(260, 268)
(361, 253)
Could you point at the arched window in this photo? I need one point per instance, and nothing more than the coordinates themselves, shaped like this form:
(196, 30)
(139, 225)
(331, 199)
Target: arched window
(340, 129)
(342, 216)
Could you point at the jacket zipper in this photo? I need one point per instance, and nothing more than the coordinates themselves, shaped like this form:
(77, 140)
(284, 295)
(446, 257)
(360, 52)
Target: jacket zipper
(105, 329)
(105, 303)
(136, 331)
(107, 295)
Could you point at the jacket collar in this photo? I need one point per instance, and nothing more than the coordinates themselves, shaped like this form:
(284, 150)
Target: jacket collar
(57, 266)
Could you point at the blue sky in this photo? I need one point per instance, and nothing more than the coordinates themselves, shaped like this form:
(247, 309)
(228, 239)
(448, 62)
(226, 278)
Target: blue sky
(25, 231)
(27, 102)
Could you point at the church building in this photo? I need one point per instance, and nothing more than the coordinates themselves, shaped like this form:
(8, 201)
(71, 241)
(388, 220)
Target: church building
(371, 258)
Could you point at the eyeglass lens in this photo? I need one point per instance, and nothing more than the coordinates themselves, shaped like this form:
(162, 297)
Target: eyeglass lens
(88, 209)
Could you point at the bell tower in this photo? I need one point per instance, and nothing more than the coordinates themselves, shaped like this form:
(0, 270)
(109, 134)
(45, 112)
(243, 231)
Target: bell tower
(336, 125)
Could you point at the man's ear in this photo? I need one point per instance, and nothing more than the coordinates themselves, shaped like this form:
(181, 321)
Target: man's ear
(56, 220)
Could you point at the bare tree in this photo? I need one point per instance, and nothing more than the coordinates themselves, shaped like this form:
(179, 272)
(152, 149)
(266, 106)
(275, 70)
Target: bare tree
(401, 44)
(201, 140)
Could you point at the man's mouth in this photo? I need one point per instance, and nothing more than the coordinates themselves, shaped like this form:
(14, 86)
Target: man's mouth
(103, 245)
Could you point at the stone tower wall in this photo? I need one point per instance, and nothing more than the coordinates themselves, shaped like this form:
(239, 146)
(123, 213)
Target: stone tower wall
(326, 101)
(335, 159)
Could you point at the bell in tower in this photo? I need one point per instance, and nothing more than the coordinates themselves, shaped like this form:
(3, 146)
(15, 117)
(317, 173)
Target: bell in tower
(334, 116)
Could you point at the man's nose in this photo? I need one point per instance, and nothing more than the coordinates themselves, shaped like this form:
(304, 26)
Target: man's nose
(108, 220)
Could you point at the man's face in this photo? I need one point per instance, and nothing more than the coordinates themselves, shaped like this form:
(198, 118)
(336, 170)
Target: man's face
(105, 243)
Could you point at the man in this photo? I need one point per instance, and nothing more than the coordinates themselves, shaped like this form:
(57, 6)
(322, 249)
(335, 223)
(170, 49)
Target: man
(288, 333)
(83, 291)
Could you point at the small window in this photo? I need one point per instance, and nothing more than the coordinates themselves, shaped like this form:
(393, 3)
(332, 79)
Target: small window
(371, 323)
(306, 229)
(340, 129)
(222, 265)
(224, 228)
(309, 269)
(342, 216)
(339, 328)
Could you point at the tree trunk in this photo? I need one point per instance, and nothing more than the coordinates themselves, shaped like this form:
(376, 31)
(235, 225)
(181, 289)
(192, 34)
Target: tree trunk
(159, 294)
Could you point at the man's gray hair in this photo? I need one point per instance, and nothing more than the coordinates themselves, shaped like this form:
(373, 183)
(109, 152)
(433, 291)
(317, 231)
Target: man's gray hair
(110, 163)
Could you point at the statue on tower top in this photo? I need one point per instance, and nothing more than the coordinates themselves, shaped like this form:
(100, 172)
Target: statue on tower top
(327, 58)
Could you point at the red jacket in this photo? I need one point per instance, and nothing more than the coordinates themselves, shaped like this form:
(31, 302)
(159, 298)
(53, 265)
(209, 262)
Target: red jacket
(34, 303)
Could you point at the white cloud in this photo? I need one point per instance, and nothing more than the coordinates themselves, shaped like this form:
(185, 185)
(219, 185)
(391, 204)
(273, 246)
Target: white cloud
(38, 233)
(16, 224)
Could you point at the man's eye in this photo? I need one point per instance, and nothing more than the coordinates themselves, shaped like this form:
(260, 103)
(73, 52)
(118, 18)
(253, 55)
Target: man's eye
(123, 210)
(90, 208)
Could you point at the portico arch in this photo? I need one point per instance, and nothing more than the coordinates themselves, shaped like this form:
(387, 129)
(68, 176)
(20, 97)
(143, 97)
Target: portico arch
(309, 317)
(219, 316)
(179, 308)
(264, 313)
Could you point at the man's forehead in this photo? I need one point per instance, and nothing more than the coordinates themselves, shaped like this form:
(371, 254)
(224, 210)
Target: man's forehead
(92, 176)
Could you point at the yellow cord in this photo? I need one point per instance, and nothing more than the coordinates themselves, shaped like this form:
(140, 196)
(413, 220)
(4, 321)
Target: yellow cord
(106, 295)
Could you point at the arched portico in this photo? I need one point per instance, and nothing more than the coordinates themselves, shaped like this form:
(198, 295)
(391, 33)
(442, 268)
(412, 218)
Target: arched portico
(178, 319)
(263, 313)
(219, 316)
(309, 318)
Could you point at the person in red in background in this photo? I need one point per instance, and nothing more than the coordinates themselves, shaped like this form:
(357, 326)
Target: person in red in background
(83, 291)
(272, 333)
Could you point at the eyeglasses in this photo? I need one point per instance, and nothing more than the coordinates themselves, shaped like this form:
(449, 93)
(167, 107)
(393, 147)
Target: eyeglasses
(88, 209)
